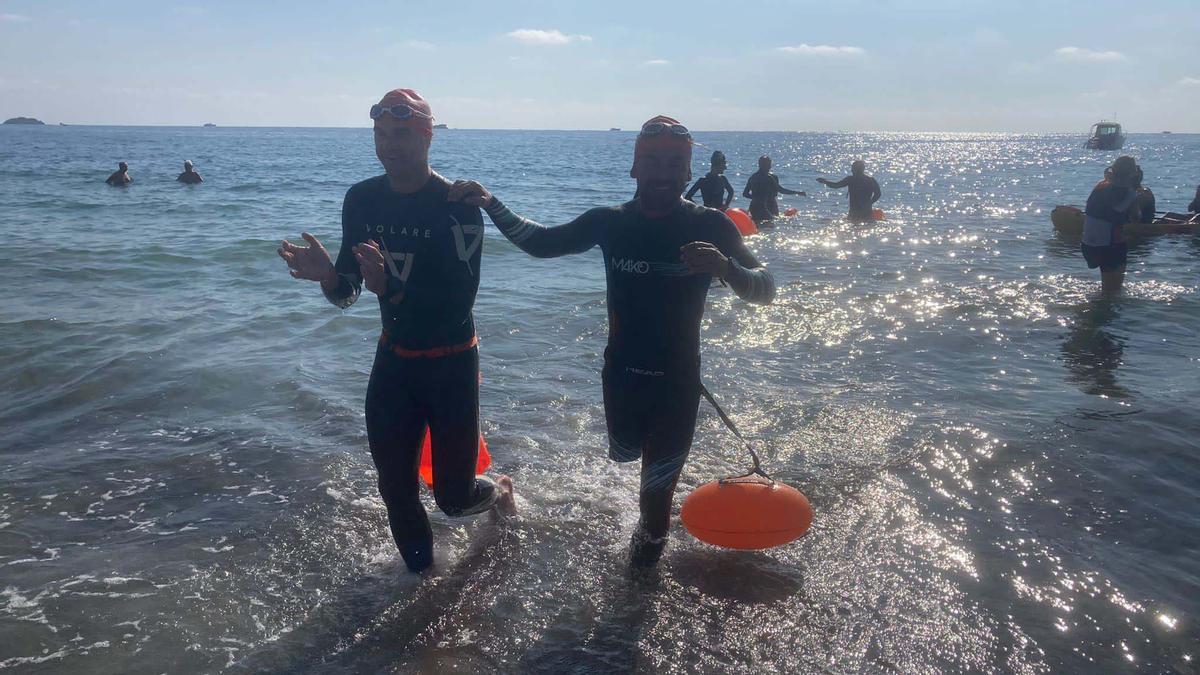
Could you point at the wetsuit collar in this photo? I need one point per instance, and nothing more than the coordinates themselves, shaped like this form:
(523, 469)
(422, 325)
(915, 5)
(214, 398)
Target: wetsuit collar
(657, 216)
(430, 177)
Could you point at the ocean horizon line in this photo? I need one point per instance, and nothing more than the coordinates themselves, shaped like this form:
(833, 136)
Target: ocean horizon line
(616, 130)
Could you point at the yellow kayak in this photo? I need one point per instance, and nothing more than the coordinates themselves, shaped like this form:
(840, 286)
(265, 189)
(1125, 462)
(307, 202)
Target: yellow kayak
(1069, 220)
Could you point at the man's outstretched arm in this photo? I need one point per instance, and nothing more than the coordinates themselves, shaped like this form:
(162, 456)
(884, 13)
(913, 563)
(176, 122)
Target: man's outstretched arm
(537, 240)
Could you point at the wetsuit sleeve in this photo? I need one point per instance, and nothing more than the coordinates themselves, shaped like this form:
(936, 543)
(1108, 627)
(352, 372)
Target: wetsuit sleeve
(349, 276)
(876, 193)
(695, 187)
(784, 190)
(748, 193)
(729, 190)
(539, 241)
(747, 277)
(840, 184)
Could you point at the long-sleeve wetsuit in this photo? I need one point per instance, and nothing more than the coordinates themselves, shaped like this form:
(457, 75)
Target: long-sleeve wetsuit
(763, 190)
(864, 192)
(655, 304)
(713, 187)
(426, 371)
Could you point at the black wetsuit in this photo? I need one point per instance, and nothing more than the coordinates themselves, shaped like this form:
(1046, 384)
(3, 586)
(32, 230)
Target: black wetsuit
(652, 362)
(1146, 205)
(426, 371)
(1194, 207)
(864, 192)
(713, 188)
(763, 189)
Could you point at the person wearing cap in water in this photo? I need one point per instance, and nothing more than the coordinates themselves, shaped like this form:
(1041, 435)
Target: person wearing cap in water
(419, 253)
(714, 188)
(120, 177)
(189, 175)
(660, 255)
(864, 191)
(1112, 203)
(763, 190)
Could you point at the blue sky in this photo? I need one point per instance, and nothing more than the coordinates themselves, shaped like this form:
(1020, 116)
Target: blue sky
(906, 65)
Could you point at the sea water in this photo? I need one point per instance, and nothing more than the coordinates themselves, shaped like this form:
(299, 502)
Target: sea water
(1004, 467)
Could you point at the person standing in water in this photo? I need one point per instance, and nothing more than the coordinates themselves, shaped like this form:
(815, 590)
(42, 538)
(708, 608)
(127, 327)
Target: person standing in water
(120, 177)
(714, 188)
(763, 190)
(419, 254)
(1145, 200)
(864, 191)
(189, 175)
(1112, 203)
(660, 255)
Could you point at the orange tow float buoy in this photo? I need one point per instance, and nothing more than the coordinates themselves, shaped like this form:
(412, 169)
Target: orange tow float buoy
(748, 512)
(743, 221)
(789, 212)
(426, 470)
(878, 214)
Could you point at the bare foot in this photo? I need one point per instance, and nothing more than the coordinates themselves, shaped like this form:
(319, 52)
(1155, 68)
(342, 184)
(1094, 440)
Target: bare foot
(506, 503)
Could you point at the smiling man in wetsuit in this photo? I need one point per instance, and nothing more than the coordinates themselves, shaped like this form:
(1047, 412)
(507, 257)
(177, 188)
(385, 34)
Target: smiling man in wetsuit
(419, 253)
(864, 192)
(660, 254)
(763, 190)
(714, 188)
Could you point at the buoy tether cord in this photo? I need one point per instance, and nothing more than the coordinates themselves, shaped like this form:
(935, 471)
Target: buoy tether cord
(757, 469)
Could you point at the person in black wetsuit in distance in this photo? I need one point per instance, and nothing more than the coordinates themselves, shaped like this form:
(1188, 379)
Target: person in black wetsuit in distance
(120, 177)
(763, 190)
(864, 191)
(1145, 199)
(189, 175)
(660, 255)
(419, 254)
(714, 188)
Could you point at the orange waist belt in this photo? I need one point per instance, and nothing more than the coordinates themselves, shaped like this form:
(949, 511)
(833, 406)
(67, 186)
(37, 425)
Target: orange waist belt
(431, 353)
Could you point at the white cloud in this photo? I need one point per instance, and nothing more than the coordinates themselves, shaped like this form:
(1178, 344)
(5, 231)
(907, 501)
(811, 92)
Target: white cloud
(657, 62)
(1189, 82)
(822, 50)
(1087, 55)
(13, 17)
(418, 44)
(533, 36)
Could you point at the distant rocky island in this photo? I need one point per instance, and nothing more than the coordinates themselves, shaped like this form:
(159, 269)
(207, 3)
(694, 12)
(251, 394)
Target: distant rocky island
(23, 120)
(209, 124)
(440, 126)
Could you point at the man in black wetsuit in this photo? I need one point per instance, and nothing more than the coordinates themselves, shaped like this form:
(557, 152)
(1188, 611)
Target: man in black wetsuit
(419, 253)
(714, 188)
(660, 256)
(763, 190)
(864, 191)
